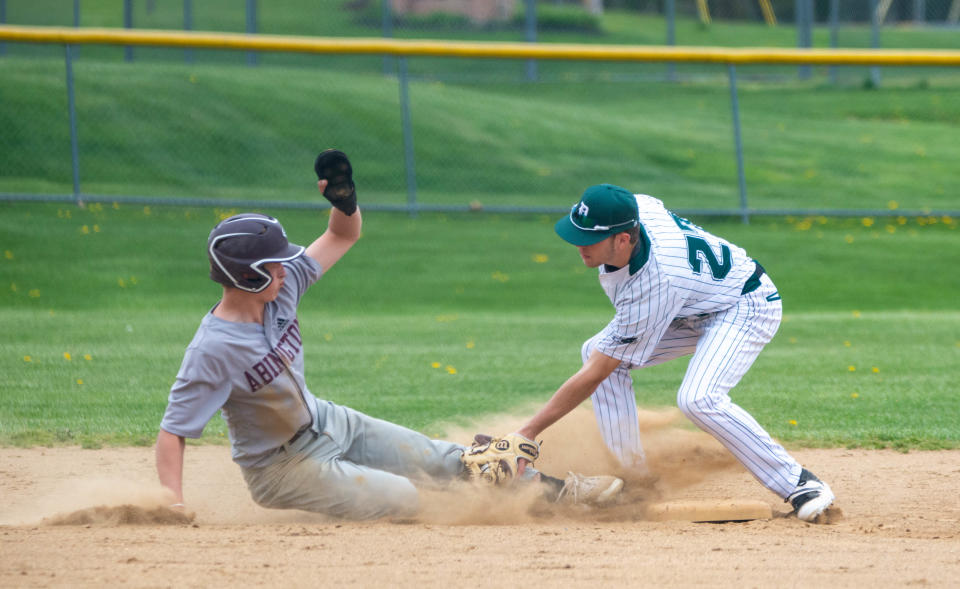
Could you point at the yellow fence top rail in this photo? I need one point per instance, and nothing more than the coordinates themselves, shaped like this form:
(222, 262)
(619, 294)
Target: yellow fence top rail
(477, 49)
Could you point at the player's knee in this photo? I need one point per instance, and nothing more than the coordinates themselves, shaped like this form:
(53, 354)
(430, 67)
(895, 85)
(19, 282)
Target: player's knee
(693, 406)
(268, 498)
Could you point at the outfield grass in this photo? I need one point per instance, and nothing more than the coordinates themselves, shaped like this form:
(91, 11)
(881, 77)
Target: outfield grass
(251, 133)
(441, 318)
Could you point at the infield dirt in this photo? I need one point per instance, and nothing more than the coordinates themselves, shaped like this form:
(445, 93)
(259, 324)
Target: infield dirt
(85, 518)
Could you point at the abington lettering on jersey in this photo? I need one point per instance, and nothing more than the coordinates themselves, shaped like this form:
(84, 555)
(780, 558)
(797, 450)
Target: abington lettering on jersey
(270, 366)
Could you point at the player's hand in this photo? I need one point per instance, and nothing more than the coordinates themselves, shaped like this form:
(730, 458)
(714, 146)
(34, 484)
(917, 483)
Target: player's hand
(181, 514)
(522, 465)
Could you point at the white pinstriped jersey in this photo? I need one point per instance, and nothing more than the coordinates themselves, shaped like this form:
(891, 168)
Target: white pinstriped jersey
(683, 293)
(679, 270)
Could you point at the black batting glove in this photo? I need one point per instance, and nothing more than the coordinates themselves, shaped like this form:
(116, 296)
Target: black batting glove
(333, 166)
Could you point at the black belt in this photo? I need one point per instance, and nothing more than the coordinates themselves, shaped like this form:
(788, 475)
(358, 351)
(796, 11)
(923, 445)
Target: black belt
(299, 433)
(753, 283)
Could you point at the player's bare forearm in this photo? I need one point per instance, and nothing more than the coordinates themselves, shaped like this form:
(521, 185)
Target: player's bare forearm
(571, 393)
(345, 227)
(342, 232)
(169, 456)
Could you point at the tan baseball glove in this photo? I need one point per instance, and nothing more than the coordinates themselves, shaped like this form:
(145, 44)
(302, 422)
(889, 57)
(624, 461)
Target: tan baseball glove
(495, 461)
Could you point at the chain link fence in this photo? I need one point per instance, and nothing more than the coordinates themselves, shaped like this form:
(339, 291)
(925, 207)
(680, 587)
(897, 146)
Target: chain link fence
(327, 17)
(890, 12)
(785, 23)
(228, 127)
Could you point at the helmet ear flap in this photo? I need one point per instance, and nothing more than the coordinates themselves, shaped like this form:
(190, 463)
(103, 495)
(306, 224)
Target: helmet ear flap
(239, 247)
(256, 280)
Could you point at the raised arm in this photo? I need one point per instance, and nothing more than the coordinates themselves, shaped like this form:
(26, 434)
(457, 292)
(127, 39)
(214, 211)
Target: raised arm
(169, 455)
(335, 181)
(342, 232)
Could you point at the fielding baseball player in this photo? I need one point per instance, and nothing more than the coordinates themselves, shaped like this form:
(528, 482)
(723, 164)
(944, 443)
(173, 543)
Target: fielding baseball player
(676, 290)
(295, 450)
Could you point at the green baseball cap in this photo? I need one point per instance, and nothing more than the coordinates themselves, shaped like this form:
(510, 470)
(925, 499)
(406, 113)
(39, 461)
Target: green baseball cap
(603, 210)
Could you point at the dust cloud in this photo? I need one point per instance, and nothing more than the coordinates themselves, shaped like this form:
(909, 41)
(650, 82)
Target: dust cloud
(678, 456)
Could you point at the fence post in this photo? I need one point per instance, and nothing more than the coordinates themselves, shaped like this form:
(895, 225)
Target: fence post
(804, 18)
(251, 28)
(834, 35)
(874, 41)
(387, 25)
(408, 156)
(128, 24)
(671, 14)
(531, 37)
(738, 143)
(3, 21)
(188, 26)
(76, 22)
(919, 12)
(72, 114)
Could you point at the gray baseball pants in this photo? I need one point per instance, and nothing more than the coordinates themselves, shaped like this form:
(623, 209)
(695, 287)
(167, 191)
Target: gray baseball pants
(359, 467)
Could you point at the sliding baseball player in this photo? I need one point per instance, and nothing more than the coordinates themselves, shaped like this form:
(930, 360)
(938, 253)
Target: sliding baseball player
(295, 450)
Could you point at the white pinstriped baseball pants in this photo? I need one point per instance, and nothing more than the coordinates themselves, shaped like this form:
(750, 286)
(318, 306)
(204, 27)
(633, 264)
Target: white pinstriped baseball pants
(724, 346)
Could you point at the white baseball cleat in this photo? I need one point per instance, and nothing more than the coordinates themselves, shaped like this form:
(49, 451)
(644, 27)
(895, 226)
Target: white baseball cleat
(811, 497)
(596, 490)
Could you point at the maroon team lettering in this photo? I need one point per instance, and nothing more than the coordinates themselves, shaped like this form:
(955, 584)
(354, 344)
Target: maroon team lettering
(274, 362)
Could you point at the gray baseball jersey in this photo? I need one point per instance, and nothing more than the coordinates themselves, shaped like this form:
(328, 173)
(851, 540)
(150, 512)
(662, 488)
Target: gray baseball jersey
(686, 291)
(353, 466)
(253, 372)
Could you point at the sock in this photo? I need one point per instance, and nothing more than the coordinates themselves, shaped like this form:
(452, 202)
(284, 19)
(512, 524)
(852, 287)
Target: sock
(554, 485)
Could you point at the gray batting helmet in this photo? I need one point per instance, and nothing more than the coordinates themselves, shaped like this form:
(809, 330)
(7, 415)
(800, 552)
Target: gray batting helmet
(238, 248)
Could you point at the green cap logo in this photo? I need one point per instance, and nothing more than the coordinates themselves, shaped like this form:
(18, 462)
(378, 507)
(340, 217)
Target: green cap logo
(603, 210)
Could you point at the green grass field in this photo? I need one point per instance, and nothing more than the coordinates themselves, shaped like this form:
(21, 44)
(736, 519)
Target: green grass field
(251, 133)
(444, 317)
(441, 318)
